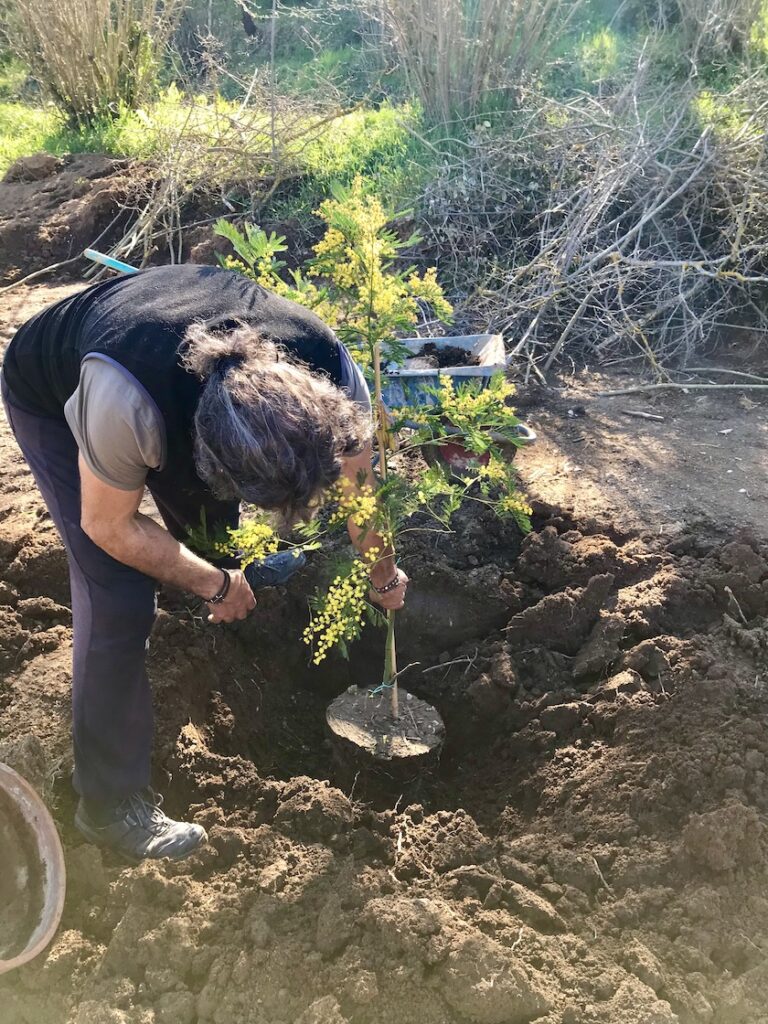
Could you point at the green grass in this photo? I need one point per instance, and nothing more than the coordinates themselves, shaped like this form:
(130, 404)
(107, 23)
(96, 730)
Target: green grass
(26, 129)
(23, 130)
(346, 70)
(374, 143)
(13, 79)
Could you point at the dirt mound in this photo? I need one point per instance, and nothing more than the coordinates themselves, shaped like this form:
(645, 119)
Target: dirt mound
(51, 209)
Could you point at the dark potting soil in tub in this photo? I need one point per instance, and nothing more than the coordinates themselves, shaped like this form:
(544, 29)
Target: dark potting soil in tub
(21, 881)
(449, 355)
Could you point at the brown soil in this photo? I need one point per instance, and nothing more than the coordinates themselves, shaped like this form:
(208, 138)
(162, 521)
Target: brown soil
(591, 846)
(51, 209)
(448, 355)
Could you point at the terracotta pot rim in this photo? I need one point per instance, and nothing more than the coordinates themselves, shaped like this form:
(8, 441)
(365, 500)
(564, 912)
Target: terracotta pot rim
(51, 857)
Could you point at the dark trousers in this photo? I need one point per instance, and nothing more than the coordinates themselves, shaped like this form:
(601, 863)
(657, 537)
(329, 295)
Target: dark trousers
(113, 608)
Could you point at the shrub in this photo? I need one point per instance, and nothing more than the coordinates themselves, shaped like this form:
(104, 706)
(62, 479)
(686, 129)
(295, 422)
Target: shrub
(718, 27)
(14, 78)
(707, 29)
(95, 58)
(464, 57)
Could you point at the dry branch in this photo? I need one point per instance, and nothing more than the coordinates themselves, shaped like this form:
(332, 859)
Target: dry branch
(667, 386)
(211, 155)
(615, 226)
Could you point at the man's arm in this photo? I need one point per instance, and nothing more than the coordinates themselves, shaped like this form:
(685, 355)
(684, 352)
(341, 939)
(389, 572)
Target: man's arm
(111, 518)
(357, 474)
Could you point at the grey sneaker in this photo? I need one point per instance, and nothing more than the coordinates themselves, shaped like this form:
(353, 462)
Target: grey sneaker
(139, 830)
(274, 570)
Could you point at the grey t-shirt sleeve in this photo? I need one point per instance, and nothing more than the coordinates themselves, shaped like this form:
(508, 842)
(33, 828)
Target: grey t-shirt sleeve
(353, 381)
(117, 426)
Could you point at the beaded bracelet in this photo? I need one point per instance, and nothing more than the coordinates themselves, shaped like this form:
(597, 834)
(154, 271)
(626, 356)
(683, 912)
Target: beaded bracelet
(392, 585)
(223, 590)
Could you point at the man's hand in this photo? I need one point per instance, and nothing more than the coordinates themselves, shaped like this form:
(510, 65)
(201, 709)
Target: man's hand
(394, 599)
(239, 602)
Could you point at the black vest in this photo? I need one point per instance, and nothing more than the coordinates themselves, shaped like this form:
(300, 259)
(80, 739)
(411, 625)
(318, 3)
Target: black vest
(140, 320)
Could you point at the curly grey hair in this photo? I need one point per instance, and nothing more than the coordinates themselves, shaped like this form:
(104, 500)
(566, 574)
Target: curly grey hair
(268, 430)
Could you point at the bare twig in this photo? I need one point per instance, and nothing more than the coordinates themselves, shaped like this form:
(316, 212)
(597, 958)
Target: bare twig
(641, 388)
(733, 373)
(643, 415)
(446, 664)
(601, 876)
(41, 273)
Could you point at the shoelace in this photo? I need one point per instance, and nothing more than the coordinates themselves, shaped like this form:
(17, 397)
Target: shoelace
(146, 811)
